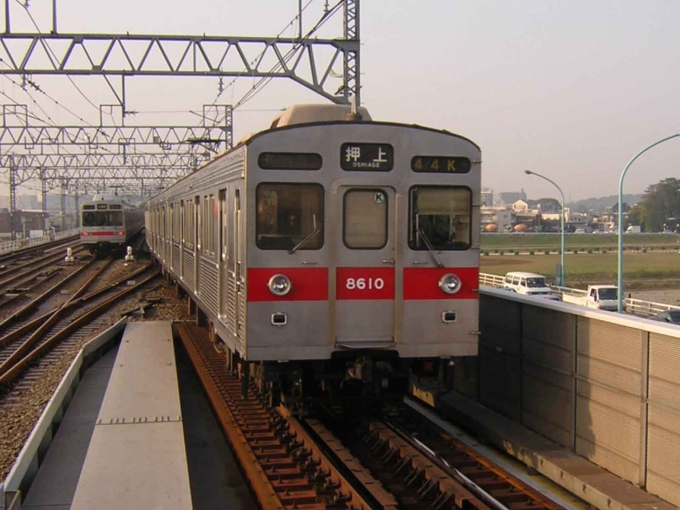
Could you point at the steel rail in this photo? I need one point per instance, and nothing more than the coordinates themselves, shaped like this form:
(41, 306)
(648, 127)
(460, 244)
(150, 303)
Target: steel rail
(284, 467)
(478, 474)
(30, 306)
(42, 263)
(40, 279)
(38, 321)
(11, 369)
(68, 241)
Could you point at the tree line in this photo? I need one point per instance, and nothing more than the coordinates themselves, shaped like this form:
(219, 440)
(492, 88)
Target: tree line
(659, 208)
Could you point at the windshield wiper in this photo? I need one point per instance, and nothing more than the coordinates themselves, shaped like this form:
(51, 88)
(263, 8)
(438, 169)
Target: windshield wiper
(304, 241)
(430, 247)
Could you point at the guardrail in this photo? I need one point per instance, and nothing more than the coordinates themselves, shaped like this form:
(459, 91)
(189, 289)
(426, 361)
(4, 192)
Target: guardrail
(10, 246)
(568, 290)
(637, 307)
(491, 280)
(647, 308)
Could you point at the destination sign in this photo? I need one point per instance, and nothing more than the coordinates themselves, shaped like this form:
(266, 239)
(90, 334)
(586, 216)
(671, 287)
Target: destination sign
(441, 164)
(289, 161)
(367, 157)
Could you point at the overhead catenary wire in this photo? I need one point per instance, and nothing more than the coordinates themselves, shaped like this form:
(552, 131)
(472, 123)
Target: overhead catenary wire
(47, 46)
(289, 55)
(223, 88)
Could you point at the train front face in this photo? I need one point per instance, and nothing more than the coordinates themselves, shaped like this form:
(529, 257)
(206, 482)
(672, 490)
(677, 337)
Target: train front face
(369, 256)
(102, 227)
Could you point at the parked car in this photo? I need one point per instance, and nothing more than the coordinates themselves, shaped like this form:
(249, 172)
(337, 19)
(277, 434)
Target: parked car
(602, 297)
(529, 284)
(579, 231)
(671, 316)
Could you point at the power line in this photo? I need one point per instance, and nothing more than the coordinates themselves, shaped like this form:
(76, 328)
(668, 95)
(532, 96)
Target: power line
(291, 53)
(25, 6)
(290, 23)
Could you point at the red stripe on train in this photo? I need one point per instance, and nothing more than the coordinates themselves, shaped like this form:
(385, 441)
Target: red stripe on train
(374, 283)
(307, 284)
(423, 283)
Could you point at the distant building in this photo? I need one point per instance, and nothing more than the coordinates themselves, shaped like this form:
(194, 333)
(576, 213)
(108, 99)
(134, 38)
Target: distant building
(569, 216)
(510, 197)
(520, 206)
(487, 197)
(24, 221)
(501, 217)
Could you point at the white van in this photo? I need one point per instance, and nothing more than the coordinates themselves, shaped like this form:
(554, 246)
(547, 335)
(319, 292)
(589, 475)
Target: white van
(529, 284)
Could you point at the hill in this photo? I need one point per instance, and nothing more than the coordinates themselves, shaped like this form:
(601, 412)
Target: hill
(602, 203)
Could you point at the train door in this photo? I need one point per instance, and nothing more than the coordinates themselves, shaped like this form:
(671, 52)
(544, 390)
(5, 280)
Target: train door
(238, 262)
(198, 240)
(223, 276)
(366, 267)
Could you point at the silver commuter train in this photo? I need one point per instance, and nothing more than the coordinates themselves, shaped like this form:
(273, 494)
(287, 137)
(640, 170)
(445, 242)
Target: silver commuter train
(325, 252)
(108, 224)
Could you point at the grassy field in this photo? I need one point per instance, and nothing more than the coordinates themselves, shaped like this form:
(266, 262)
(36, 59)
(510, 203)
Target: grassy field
(641, 270)
(492, 242)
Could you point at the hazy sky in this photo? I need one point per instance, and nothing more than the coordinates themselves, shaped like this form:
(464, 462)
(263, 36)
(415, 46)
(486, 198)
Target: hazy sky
(572, 89)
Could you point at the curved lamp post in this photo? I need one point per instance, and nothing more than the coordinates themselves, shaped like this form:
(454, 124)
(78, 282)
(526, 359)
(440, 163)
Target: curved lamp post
(619, 279)
(562, 269)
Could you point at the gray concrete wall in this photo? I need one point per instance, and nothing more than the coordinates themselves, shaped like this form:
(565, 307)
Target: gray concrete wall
(604, 385)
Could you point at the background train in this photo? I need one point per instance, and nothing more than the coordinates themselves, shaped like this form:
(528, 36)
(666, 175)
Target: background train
(107, 224)
(330, 253)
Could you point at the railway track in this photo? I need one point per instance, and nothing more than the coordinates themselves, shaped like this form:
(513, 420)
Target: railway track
(14, 306)
(60, 244)
(284, 467)
(400, 461)
(22, 272)
(65, 326)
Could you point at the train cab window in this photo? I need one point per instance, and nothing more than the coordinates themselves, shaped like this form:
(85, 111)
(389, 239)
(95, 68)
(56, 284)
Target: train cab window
(103, 219)
(290, 216)
(365, 219)
(440, 218)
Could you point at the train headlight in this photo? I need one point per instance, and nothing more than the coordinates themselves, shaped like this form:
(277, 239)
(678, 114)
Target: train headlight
(450, 283)
(279, 285)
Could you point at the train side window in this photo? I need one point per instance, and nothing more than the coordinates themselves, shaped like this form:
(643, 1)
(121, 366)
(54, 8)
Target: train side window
(365, 219)
(290, 216)
(196, 223)
(440, 218)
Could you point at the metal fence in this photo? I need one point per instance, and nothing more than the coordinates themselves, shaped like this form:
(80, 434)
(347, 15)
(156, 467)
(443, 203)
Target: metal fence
(491, 280)
(637, 307)
(604, 385)
(10, 246)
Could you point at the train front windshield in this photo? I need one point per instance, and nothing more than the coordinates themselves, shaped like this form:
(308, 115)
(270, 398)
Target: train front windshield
(103, 219)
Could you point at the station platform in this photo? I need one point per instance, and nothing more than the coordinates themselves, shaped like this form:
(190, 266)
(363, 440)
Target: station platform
(128, 451)
(593, 484)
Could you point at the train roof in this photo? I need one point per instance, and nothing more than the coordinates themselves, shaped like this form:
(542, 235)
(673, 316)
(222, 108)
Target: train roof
(311, 114)
(322, 114)
(111, 199)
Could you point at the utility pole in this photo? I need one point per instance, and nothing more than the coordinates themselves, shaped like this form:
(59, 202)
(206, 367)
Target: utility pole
(43, 198)
(77, 204)
(12, 195)
(64, 184)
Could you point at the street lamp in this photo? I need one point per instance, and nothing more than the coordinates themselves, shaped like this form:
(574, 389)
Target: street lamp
(562, 268)
(619, 280)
